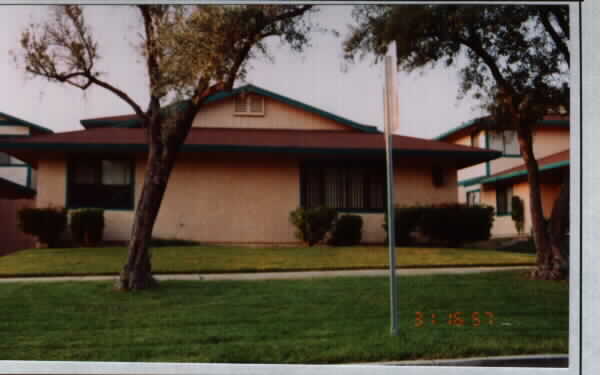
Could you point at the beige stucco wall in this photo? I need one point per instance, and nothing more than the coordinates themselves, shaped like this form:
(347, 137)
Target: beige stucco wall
(14, 130)
(550, 141)
(239, 198)
(51, 180)
(477, 170)
(504, 225)
(277, 115)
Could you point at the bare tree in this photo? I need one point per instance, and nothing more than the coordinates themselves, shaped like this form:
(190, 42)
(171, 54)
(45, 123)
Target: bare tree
(190, 53)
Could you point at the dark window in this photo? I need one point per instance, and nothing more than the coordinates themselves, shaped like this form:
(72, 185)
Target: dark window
(100, 184)
(4, 158)
(356, 186)
(503, 200)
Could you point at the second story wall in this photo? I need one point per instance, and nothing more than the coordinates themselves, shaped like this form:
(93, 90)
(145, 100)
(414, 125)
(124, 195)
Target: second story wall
(476, 140)
(277, 115)
(546, 141)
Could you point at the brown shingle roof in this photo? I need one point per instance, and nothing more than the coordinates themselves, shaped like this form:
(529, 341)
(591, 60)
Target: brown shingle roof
(550, 162)
(214, 139)
(543, 162)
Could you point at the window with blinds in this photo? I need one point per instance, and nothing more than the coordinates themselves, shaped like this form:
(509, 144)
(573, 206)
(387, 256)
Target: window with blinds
(94, 183)
(345, 187)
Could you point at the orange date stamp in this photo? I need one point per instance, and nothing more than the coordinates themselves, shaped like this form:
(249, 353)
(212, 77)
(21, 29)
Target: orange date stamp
(456, 319)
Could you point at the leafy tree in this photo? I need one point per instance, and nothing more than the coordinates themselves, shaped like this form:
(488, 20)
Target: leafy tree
(190, 53)
(515, 59)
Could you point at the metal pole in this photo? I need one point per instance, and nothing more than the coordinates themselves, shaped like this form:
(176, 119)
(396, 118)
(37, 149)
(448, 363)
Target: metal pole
(391, 118)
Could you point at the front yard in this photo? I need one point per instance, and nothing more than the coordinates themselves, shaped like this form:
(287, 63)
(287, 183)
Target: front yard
(206, 259)
(340, 320)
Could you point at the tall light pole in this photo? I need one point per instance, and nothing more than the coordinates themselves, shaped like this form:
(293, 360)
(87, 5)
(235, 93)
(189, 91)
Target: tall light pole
(391, 120)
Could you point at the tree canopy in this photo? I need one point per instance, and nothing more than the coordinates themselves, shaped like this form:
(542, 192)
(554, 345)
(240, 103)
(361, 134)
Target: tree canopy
(513, 58)
(519, 51)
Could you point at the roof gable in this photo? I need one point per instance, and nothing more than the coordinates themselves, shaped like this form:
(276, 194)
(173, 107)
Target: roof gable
(558, 121)
(132, 121)
(8, 120)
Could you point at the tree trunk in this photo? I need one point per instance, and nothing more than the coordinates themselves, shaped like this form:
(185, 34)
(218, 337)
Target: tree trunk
(164, 142)
(137, 272)
(547, 265)
(559, 228)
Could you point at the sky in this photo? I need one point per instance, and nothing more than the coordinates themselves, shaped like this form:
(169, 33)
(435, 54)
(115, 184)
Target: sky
(318, 76)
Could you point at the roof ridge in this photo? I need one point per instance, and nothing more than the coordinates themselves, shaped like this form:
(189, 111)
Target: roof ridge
(133, 118)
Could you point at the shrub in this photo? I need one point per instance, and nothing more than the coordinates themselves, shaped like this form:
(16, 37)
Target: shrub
(406, 221)
(312, 223)
(47, 224)
(87, 226)
(518, 213)
(457, 223)
(347, 231)
(450, 223)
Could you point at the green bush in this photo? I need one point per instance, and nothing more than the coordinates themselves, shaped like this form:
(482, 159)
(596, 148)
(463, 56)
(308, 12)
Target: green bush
(406, 220)
(87, 226)
(457, 223)
(47, 224)
(347, 231)
(451, 223)
(312, 223)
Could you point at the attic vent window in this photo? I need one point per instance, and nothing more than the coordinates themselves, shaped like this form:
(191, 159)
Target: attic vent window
(249, 105)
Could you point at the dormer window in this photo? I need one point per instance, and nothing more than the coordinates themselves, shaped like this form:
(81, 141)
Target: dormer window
(249, 105)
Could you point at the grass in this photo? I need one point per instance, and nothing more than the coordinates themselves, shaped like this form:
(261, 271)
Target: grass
(206, 259)
(340, 320)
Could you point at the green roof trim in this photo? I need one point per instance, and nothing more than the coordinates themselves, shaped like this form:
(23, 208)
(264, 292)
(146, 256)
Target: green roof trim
(12, 120)
(552, 123)
(491, 180)
(472, 181)
(132, 123)
(294, 103)
(462, 126)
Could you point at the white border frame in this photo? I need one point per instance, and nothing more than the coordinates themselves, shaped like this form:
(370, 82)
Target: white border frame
(584, 233)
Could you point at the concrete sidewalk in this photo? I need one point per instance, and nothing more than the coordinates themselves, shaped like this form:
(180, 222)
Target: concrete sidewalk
(279, 275)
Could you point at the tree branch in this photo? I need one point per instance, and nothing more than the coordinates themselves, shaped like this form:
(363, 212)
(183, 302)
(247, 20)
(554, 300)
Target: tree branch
(120, 93)
(291, 14)
(488, 60)
(560, 44)
(151, 48)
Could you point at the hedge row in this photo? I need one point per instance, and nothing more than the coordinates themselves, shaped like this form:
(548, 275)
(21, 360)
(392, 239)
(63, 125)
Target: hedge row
(48, 225)
(453, 224)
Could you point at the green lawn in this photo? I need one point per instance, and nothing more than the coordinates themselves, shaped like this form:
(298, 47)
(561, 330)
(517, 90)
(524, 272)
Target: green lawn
(109, 260)
(338, 320)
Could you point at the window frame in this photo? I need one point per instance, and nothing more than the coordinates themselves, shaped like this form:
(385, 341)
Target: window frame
(508, 193)
(471, 192)
(71, 163)
(504, 142)
(321, 165)
(247, 105)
